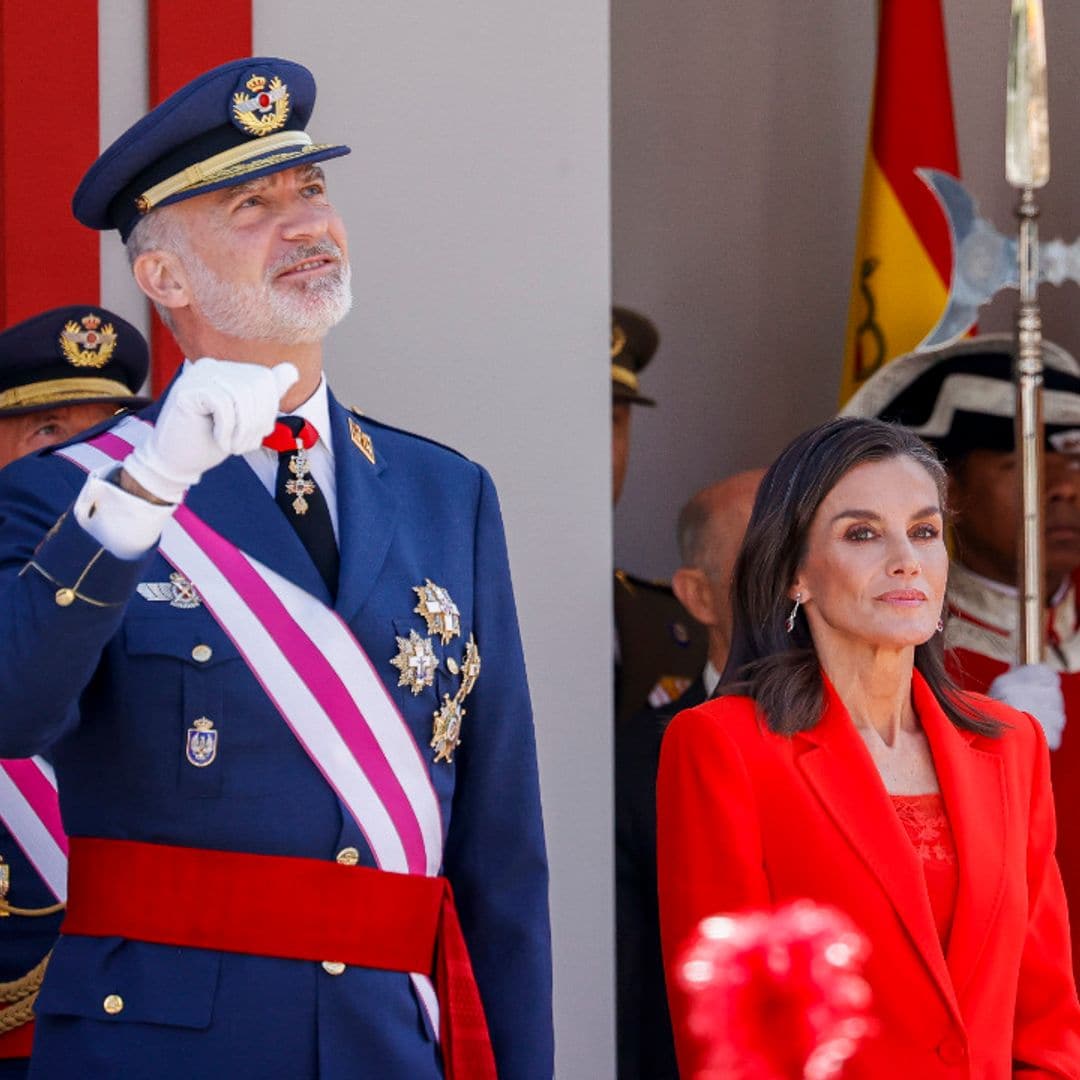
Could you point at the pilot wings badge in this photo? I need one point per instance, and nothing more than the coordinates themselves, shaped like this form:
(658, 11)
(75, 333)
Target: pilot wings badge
(178, 591)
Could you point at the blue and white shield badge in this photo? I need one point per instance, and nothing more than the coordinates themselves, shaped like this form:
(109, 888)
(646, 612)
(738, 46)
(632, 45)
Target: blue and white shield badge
(202, 743)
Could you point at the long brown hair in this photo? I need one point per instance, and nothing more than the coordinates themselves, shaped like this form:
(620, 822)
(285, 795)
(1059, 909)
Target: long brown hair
(780, 670)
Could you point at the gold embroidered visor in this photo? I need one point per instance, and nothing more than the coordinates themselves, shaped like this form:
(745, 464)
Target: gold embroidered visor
(273, 150)
(61, 391)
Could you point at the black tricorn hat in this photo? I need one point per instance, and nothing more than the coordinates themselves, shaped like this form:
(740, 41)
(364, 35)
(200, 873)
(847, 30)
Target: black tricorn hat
(634, 341)
(962, 397)
(71, 356)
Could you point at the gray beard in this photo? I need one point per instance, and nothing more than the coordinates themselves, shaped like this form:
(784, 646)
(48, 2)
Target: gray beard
(292, 315)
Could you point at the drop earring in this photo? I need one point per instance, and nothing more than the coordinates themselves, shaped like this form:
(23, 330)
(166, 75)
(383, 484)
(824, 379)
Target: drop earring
(789, 622)
(940, 626)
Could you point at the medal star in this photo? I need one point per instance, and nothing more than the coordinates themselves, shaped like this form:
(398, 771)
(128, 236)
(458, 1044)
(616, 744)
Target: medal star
(470, 669)
(446, 734)
(438, 611)
(416, 661)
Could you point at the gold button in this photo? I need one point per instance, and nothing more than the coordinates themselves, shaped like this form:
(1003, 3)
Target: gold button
(348, 856)
(201, 653)
(65, 597)
(451, 665)
(113, 1004)
(333, 967)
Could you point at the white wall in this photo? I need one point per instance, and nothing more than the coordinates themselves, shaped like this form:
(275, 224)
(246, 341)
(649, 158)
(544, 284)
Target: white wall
(477, 203)
(738, 141)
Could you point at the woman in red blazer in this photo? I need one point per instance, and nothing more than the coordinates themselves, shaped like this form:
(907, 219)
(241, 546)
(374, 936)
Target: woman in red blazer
(843, 766)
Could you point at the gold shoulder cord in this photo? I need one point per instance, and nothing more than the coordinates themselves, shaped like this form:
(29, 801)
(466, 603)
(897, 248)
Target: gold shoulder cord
(19, 996)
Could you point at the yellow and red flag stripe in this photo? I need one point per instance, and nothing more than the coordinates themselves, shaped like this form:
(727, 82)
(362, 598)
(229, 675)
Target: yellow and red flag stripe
(902, 252)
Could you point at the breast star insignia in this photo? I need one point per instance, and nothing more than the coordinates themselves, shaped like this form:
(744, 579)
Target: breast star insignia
(438, 611)
(446, 735)
(417, 662)
(470, 668)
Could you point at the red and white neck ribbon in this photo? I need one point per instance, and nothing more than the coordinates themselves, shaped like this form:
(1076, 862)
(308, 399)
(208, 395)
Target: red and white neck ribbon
(318, 676)
(32, 816)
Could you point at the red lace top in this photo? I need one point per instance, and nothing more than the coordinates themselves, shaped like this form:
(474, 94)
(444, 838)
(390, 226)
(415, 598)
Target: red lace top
(927, 826)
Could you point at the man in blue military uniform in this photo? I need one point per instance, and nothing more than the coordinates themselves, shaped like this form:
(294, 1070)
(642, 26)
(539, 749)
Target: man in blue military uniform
(60, 372)
(282, 681)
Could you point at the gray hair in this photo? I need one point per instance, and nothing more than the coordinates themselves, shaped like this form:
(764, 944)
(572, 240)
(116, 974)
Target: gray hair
(690, 532)
(159, 230)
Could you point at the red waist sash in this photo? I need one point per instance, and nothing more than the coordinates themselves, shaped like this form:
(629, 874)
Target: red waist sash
(287, 907)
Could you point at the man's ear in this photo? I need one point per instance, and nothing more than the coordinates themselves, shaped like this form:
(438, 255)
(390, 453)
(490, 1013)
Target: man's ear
(691, 587)
(161, 276)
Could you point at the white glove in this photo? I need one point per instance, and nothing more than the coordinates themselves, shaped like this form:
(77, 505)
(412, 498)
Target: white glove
(1035, 689)
(215, 408)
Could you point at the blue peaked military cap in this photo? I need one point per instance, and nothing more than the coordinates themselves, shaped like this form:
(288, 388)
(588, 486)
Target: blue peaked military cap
(71, 356)
(241, 120)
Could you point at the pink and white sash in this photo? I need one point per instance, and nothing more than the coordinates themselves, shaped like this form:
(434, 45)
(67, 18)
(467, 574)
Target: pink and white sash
(317, 675)
(32, 816)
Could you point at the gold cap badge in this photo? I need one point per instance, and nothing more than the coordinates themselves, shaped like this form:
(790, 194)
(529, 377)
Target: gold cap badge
(264, 108)
(89, 344)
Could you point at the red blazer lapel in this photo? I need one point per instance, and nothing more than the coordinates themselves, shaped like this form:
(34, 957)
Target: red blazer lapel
(837, 765)
(973, 788)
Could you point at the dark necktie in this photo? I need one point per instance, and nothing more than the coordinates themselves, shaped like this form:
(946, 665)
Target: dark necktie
(300, 499)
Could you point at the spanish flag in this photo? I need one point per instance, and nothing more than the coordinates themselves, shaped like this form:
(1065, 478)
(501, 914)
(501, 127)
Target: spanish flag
(902, 255)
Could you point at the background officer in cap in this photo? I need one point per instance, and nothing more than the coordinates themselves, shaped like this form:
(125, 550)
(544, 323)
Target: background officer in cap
(298, 737)
(659, 649)
(61, 372)
(961, 400)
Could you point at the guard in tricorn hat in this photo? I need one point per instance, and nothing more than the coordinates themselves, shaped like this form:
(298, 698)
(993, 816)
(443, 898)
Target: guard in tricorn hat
(961, 399)
(63, 371)
(659, 648)
(274, 644)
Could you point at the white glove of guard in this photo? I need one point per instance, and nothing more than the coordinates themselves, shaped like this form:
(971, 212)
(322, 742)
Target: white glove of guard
(1035, 689)
(215, 409)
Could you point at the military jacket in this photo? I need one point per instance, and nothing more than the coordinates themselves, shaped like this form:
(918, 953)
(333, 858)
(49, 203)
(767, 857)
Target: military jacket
(113, 684)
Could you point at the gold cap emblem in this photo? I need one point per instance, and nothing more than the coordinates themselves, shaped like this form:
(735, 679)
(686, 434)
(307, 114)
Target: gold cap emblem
(261, 107)
(87, 343)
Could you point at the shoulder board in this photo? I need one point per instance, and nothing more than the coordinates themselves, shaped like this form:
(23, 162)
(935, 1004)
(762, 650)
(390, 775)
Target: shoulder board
(372, 422)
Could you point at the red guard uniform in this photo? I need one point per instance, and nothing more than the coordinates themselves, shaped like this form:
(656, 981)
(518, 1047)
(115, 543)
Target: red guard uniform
(982, 643)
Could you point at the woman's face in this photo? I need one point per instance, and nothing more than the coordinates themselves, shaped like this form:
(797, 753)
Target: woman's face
(875, 566)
